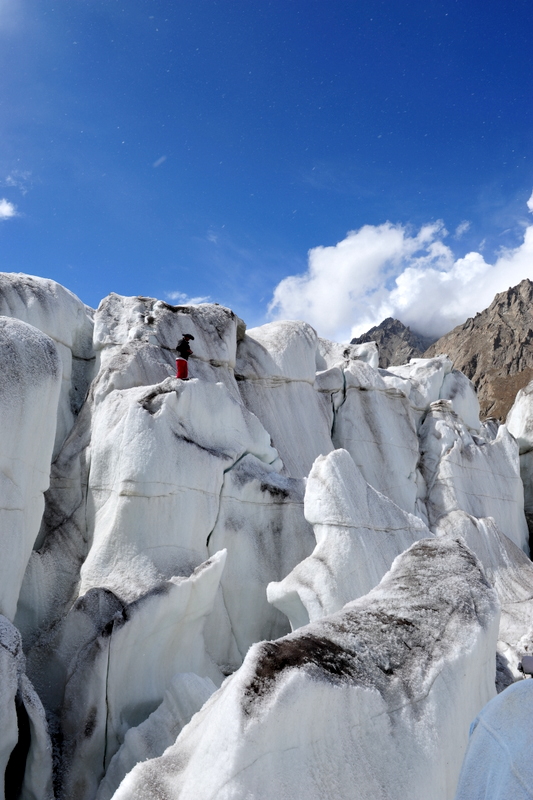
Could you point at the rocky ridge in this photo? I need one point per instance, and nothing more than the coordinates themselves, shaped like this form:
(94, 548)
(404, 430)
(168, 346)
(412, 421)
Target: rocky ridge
(397, 343)
(495, 349)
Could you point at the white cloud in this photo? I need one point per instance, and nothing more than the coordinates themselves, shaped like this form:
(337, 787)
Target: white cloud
(19, 179)
(390, 271)
(462, 228)
(530, 203)
(159, 161)
(184, 299)
(7, 209)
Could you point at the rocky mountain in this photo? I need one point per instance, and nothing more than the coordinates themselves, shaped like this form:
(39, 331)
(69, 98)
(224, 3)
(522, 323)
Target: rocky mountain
(397, 343)
(495, 349)
(292, 575)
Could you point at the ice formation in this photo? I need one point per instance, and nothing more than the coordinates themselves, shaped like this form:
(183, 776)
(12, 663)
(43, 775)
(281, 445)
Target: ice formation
(359, 532)
(29, 392)
(368, 702)
(520, 424)
(498, 762)
(163, 537)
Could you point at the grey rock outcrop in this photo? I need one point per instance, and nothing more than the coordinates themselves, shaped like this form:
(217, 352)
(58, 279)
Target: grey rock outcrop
(495, 349)
(397, 343)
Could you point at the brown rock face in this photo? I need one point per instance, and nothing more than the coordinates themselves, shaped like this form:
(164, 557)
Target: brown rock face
(495, 349)
(397, 343)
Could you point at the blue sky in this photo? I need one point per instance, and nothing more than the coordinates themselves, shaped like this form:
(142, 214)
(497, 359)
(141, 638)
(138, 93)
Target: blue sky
(203, 148)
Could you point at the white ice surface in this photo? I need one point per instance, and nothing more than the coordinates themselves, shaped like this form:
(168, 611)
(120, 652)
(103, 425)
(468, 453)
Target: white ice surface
(10, 658)
(120, 677)
(359, 532)
(135, 340)
(36, 779)
(185, 695)
(261, 523)
(124, 362)
(120, 320)
(520, 424)
(510, 571)
(426, 380)
(459, 390)
(376, 425)
(331, 354)
(424, 376)
(519, 420)
(30, 381)
(158, 458)
(276, 376)
(526, 473)
(38, 782)
(374, 701)
(156, 474)
(51, 579)
(498, 763)
(285, 350)
(472, 473)
(59, 314)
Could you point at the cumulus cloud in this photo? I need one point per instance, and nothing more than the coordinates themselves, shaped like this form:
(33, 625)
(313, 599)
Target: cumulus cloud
(184, 299)
(389, 270)
(7, 209)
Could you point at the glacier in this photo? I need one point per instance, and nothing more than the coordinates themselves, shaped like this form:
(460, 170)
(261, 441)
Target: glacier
(293, 575)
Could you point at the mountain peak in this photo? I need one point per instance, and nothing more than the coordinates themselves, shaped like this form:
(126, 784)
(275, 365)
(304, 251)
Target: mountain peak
(495, 348)
(397, 342)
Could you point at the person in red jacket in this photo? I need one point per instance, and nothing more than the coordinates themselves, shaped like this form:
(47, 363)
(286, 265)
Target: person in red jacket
(184, 351)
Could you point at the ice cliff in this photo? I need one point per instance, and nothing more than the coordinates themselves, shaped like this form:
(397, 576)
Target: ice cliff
(295, 575)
